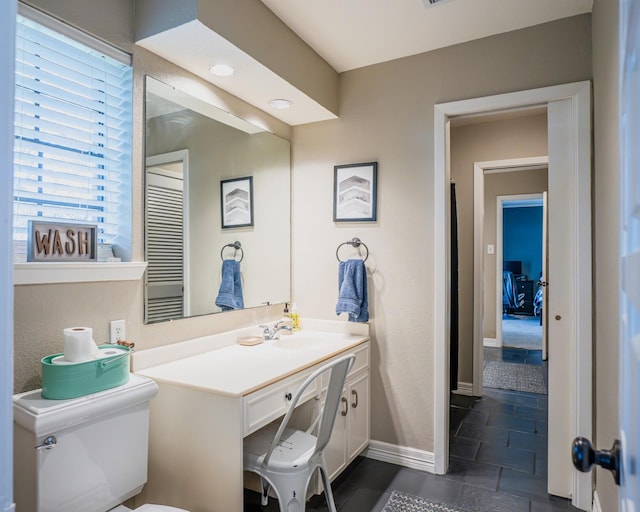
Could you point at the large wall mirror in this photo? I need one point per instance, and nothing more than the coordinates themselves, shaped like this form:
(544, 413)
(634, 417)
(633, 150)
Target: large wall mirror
(217, 209)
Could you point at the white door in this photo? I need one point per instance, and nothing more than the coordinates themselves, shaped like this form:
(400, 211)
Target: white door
(164, 245)
(561, 311)
(629, 392)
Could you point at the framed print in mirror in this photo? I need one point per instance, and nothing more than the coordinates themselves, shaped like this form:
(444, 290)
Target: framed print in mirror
(355, 192)
(236, 200)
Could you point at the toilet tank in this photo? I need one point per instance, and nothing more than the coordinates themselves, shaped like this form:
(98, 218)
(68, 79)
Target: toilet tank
(100, 454)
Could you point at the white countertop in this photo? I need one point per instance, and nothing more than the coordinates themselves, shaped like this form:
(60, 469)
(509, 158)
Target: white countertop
(238, 370)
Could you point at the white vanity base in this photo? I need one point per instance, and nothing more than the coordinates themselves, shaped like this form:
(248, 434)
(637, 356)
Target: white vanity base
(209, 402)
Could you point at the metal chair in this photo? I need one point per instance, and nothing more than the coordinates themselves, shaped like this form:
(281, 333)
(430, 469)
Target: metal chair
(286, 458)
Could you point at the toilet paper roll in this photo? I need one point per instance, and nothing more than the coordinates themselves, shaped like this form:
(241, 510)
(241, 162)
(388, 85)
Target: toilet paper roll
(79, 345)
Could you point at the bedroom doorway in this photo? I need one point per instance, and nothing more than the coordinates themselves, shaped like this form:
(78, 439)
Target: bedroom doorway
(515, 360)
(522, 252)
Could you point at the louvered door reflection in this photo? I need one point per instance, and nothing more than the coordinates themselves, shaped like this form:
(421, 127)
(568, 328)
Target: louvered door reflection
(164, 247)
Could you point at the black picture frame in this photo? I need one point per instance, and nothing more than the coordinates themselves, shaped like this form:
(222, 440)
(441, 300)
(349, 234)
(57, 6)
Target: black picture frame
(236, 202)
(355, 192)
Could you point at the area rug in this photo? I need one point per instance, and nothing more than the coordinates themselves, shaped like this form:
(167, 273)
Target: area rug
(514, 376)
(522, 332)
(400, 502)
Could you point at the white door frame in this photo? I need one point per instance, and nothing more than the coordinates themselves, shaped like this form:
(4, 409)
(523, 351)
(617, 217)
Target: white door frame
(480, 169)
(578, 95)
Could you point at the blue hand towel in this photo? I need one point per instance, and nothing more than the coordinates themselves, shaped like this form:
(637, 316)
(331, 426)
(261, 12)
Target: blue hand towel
(352, 290)
(230, 292)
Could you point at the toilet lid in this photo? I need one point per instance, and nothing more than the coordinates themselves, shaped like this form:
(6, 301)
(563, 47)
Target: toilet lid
(149, 507)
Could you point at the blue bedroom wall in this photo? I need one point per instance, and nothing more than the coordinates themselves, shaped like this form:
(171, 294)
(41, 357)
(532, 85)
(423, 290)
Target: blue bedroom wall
(522, 238)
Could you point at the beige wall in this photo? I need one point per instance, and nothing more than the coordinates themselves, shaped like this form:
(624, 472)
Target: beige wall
(491, 140)
(503, 184)
(386, 115)
(606, 235)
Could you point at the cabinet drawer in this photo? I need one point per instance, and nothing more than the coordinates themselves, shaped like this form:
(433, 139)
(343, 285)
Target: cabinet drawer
(361, 362)
(265, 405)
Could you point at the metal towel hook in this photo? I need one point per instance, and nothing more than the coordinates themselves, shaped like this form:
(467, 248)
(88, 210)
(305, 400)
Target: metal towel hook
(235, 245)
(354, 242)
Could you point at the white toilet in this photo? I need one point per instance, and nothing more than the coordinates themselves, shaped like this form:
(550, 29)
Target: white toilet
(86, 454)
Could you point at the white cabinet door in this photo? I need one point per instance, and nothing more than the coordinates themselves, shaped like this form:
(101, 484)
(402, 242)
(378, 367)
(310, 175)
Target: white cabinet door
(351, 430)
(335, 453)
(358, 416)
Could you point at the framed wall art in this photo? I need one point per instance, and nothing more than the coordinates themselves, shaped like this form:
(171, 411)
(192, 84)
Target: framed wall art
(236, 201)
(355, 192)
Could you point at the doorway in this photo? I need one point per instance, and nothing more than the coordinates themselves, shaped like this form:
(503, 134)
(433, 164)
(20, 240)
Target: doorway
(520, 257)
(570, 303)
(513, 359)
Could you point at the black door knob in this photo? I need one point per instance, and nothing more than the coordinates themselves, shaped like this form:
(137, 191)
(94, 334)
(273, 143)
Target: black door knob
(584, 456)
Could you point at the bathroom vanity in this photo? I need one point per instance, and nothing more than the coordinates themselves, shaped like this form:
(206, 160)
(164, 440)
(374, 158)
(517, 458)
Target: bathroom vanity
(214, 392)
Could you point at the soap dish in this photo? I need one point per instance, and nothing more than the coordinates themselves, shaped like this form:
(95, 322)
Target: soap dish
(250, 340)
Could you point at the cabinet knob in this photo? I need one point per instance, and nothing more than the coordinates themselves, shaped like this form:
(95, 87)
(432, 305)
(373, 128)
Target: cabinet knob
(288, 397)
(346, 406)
(354, 393)
(558, 317)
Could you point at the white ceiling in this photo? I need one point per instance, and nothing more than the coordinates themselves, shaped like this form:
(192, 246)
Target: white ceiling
(350, 34)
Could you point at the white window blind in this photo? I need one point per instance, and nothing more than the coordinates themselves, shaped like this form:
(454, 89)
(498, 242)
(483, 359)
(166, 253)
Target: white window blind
(73, 132)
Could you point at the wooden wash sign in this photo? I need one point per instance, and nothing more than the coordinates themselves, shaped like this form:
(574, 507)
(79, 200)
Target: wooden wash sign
(57, 241)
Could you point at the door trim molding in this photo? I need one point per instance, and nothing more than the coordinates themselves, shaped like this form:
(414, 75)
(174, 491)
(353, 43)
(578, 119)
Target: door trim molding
(579, 93)
(480, 170)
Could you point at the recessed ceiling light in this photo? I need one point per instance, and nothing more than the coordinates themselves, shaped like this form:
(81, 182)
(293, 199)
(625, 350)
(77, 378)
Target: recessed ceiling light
(280, 103)
(222, 70)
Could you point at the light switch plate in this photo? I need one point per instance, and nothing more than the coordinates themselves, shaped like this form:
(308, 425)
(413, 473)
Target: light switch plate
(491, 249)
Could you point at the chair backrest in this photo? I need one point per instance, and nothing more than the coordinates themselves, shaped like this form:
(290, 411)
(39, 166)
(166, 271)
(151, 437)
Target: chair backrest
(339, 369)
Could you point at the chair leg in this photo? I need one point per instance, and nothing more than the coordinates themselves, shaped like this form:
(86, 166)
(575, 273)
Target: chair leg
(290, 490)
(327, 489)
(264, 497)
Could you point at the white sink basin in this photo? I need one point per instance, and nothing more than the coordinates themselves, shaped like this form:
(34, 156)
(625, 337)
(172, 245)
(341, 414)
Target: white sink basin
(298, 342)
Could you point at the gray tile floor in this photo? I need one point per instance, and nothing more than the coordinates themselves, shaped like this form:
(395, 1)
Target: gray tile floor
(498, 459)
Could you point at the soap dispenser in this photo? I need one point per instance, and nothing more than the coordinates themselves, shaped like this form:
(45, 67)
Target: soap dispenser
(295, 317)
(286, 320)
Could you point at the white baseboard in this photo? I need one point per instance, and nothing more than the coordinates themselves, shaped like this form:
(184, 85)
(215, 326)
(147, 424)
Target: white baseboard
(464, 388)
(401, 455)
(490, 342)
(596, 502)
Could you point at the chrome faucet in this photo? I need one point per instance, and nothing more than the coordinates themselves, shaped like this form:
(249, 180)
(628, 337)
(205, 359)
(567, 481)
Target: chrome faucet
(274, 334)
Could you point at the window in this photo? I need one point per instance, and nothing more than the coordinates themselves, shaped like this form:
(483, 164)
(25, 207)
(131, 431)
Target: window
(73, 132)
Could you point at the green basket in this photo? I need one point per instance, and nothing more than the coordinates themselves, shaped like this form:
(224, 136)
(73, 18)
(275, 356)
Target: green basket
(62, 381)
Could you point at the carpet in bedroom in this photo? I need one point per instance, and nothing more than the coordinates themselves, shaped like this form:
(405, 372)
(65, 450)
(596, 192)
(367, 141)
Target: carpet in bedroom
(522, 331)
